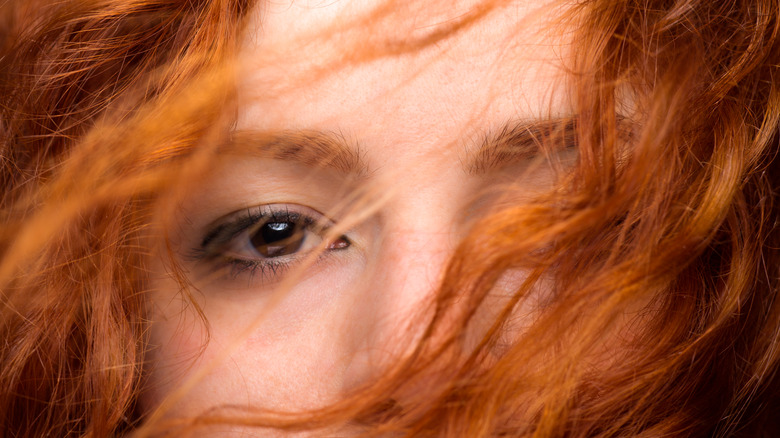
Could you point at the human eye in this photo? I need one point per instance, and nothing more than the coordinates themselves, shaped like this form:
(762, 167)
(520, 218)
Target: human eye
(267, 240)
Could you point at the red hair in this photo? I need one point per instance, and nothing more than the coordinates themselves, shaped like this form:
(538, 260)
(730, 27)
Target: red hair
(659, 245)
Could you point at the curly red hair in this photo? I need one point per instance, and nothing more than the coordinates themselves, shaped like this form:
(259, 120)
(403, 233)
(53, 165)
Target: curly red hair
(660, 243)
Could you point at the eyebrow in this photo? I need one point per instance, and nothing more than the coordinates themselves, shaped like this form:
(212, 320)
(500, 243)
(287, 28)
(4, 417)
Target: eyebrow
(309, 147)
(514, 142)
(519, 141)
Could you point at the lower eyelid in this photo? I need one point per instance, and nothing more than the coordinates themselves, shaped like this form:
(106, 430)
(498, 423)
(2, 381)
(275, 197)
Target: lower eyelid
(271, 270)
(239, 265)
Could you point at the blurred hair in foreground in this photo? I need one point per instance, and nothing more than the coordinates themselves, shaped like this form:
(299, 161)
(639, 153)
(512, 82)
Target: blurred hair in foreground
(660, 244)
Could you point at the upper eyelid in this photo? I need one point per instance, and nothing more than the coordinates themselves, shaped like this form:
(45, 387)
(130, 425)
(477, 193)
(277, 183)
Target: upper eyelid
(248, 217)
(219, 229)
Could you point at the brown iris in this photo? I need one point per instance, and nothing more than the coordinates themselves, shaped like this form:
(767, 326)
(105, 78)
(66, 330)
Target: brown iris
(276, 239)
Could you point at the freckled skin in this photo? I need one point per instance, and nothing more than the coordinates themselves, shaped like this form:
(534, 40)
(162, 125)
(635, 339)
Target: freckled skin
(414, 116)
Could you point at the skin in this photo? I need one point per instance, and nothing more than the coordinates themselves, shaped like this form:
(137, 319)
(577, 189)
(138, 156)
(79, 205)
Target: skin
(334, 321)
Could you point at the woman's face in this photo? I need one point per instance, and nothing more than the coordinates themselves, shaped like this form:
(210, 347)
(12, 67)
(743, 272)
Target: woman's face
(414, 130)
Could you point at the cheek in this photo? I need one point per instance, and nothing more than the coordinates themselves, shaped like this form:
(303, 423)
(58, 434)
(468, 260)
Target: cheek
(177, 337)
(292, 354)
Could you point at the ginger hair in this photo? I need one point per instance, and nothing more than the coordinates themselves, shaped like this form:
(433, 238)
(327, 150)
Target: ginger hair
(660, 243)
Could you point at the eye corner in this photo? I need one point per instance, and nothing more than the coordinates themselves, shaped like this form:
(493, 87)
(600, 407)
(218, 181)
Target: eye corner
(340, 243)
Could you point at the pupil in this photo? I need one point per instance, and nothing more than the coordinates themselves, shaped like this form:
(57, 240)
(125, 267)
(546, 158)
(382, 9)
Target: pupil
(275, 239)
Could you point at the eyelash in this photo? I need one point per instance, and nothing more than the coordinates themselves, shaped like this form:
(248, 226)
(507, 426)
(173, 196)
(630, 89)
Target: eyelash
(238, 229)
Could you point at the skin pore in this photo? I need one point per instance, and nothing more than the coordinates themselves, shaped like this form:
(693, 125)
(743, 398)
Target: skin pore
(416, 131)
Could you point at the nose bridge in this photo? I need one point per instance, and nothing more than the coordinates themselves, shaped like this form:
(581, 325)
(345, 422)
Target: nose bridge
(409, 269)
(406, 259)
(416, 238)
(402, 282)
(397, 294)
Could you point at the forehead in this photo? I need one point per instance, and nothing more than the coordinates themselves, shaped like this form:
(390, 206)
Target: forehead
(413, 77)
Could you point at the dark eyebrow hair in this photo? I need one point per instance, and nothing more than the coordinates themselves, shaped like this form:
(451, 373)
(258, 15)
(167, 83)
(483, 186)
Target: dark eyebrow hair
(520, 140)
(309, 147)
